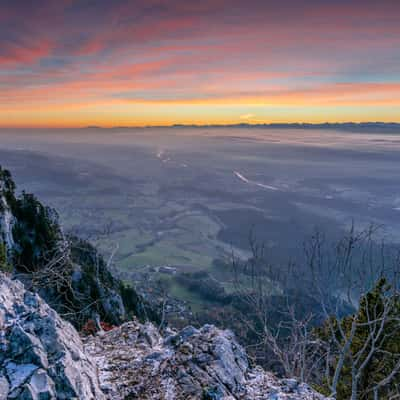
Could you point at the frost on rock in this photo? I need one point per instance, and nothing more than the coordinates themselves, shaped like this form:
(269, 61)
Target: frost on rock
(135, 362)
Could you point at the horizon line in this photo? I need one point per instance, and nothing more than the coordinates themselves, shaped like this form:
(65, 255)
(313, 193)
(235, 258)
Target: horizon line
(364, 124)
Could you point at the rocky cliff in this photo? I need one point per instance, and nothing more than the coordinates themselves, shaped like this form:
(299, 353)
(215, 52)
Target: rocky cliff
(67, 272)
(43, 357)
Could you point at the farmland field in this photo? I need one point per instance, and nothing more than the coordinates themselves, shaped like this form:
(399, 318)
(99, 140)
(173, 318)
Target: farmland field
(187, 197)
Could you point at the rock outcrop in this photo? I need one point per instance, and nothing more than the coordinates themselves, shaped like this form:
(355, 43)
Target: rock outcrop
(136, 362)
(41, 355)
(6, 222)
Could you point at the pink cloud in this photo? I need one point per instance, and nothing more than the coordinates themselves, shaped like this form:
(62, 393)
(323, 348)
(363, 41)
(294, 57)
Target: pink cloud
(211, 51)
(26, 53)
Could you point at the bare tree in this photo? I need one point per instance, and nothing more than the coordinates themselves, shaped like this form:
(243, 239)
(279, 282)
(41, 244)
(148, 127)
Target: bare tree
(280, 334)
(340, 279)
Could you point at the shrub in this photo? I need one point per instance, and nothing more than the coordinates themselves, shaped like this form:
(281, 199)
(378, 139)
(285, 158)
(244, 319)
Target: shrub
(4, 265)
(36, 232)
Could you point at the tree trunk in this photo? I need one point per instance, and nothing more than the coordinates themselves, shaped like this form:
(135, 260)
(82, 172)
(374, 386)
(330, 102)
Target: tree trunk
(354, 386)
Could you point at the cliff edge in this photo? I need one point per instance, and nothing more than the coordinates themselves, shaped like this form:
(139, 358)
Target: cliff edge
(43, 357)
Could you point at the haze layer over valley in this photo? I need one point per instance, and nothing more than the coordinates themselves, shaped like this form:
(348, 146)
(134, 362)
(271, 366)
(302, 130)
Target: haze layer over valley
(187, 197)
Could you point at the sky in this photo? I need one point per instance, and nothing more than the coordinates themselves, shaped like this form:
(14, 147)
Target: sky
(73, 63)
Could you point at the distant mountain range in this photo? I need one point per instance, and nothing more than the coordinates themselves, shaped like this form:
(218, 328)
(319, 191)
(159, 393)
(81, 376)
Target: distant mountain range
(297, 125)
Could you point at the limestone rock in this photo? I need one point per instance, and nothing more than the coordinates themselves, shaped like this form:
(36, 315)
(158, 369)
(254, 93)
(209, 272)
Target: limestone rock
(136, 362)
(41, 355)
(6, 221)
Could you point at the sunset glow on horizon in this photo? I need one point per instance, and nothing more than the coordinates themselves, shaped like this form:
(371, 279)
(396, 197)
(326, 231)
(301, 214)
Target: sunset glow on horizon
(73, 63)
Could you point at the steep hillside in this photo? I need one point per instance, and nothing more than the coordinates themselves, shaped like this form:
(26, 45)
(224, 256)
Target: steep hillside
(68, 272)
(47, 278)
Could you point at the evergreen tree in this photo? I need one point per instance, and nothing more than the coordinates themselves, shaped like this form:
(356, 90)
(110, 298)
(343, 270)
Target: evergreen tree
(371, 368)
